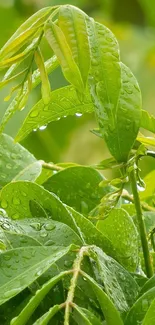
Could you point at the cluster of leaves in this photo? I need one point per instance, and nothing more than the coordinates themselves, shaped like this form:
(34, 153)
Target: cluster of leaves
(70, 249)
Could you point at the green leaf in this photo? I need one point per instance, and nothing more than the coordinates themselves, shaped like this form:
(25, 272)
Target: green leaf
(16, 162)
(14, 60)
(110, 313)
(60, 47)
(16, 44)
(12, 236)
(148, 285)
(45, 87)
(24, 192)
(22, 266)
(121, 231)
(148, 121)
(84, 316)
(27, 28)
(34, 302)
(149, 318)
(44, 320)
(4, 82)
(147, 141)
(64, 101)
(119, 284)
(121, 132)
(90, 234)
(81, 191)
(140, 308)
(50, 65)
(70, 19)
(115, 93)
(36, 231)
(48, 232)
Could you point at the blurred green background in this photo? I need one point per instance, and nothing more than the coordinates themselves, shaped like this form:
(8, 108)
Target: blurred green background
(70, 139)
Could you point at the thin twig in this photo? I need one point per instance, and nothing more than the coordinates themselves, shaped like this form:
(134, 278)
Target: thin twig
(50, 166)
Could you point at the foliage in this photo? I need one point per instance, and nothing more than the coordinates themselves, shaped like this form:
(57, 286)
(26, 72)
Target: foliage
(73, 251)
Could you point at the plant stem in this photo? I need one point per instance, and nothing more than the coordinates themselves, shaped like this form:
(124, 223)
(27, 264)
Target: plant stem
(76, 270)
(142, 230)
(146, 207)
(51, 166)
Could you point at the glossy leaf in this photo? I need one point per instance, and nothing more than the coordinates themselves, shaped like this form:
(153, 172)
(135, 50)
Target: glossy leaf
(70, 20)
(121, 231)
(90, 234)
(117, 99)
(140, 308)
(48, 232)
(44, 320)
(24, 192)
(60, 47)
(110, 313)
(150, 284)
(85, 317)
(64, 101)
(33, 303)
(22, 266)
(149, 318)
(122, 133)
(16, 162)
(119, 284)
(81, 191)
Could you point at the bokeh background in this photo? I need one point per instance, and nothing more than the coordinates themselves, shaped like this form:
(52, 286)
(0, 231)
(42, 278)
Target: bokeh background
(70, 139)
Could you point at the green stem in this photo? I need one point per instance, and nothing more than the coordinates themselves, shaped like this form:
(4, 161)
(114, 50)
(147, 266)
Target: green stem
(142, 230)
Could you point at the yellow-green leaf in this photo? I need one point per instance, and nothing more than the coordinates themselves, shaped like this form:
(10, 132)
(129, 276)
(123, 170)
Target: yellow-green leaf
(72, 22)
(59, 45)
(45, 87)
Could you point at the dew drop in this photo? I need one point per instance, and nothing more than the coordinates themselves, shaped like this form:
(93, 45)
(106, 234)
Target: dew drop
(34, 113)
(4, 204)
(37, 226)
(78, 114)
(145, 304)
(140, 188)
(43, 234)
(5, 226)
(68, 264)
(43, 127)
(11, 293)
(15, 216)
(49, 226)
(49, 243)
